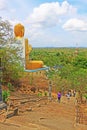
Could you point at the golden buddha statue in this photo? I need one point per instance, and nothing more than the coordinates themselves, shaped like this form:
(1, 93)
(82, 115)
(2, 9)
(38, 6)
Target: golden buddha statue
(29, 64)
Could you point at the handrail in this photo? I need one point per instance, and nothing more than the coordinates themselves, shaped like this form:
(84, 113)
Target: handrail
(39, 69)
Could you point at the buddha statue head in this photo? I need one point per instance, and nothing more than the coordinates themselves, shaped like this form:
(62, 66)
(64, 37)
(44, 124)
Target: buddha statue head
(19, 30)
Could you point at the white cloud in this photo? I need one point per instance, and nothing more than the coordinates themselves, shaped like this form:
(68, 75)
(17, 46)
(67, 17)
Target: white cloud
(3, 4)
(75, 25)
(13, 23)
(12, 10)
(48, 14)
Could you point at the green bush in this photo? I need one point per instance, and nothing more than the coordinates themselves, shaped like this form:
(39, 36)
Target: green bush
(85, 96)
(10, 87)
(5, 95)
(39, 94)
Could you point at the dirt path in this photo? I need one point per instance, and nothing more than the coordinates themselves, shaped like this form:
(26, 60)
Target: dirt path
(47, 116)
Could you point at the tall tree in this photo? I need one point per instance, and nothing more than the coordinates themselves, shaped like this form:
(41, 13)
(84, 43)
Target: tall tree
(6, 32)
(9, 53)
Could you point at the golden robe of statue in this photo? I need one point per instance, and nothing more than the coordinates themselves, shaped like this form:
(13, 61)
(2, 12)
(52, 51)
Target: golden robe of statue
(31, 64)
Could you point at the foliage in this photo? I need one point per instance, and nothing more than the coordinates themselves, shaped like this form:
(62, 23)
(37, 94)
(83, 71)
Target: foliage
(50, 73)
(39, 94)
(80, 61)
(85, 96)
(6, 32)
(11, 64)
(68, 70)
(10, 86)
(9, 54)
(5, 95)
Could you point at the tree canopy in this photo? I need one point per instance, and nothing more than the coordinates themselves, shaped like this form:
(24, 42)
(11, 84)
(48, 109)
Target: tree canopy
(6, 32)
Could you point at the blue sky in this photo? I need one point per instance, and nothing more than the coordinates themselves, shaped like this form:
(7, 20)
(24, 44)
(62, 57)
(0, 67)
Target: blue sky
(49, 23)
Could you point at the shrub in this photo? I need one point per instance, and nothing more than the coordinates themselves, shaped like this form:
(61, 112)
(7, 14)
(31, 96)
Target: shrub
(5, 95)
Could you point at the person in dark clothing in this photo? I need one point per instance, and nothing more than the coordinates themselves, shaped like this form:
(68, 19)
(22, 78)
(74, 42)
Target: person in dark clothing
(59, 96)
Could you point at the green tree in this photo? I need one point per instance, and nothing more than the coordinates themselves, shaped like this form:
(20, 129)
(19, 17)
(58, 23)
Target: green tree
(9, 54)
(81, 60)
(11, 63)
(6, 32)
